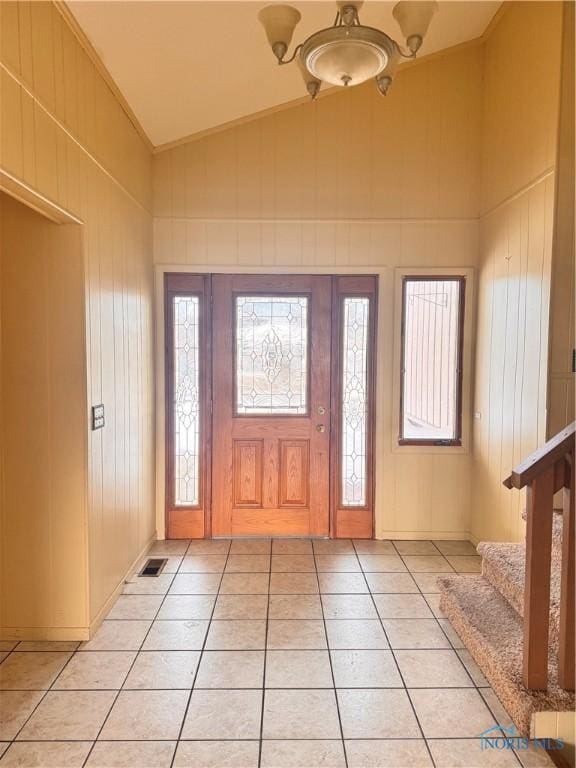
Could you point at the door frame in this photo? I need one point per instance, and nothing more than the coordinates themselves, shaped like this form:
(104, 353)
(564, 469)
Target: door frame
(201, 511)
(374, 374)
(348, 521)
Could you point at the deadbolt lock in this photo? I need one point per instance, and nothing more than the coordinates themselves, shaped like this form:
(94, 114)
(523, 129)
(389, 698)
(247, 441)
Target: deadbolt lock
(321, 410)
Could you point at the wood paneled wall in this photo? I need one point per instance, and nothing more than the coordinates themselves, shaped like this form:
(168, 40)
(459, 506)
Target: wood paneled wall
(54, 80)
(65, 136)
(351, 181)
(519, 129)
(520, 99)
(44, 571)
(562, 312)
(352, 155)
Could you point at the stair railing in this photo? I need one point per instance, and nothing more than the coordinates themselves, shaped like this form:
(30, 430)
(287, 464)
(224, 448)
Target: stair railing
(548, 470)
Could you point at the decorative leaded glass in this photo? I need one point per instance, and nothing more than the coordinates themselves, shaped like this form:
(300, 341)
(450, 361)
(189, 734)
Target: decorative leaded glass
(354, 400)
(185, 312)
(271, 354)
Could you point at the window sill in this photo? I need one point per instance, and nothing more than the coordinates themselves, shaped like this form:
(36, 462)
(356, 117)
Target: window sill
(420, 447)
(434, 443)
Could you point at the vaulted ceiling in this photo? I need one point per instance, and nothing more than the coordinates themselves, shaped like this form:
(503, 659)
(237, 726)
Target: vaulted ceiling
(185, 67)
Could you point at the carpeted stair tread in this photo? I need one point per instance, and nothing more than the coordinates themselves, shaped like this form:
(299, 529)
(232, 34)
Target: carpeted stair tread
(492, 631)
(503, 566)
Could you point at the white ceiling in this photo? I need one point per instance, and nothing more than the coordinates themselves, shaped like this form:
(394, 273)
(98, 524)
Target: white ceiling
(188, 66)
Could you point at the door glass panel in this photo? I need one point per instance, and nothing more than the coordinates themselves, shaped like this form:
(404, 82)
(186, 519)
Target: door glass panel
(271, 355)
(186, 401)
(354, 400)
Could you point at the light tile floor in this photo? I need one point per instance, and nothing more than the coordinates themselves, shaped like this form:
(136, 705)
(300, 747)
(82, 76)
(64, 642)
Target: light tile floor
(288, 653)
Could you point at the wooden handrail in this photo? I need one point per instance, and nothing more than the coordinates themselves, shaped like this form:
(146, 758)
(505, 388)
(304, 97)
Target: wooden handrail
(542, 458)
(548, 470)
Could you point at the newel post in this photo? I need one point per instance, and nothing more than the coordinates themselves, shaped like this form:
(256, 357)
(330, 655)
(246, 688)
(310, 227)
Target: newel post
(566, 652)
(539, 509)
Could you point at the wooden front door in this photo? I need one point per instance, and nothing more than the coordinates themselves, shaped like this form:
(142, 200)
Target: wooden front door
(271, 405)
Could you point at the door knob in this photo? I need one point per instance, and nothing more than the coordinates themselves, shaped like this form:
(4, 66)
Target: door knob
(320, 428)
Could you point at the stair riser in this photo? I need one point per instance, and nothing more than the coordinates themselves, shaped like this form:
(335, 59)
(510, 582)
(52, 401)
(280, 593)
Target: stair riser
(495, 574)
(520, 711)
(492, 632)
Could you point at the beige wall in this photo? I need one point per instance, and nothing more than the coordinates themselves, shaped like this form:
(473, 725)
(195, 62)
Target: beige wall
(43, 394)
(519, 129)
(456, 168)
(562, 318)
(350, 182)
(66, 138)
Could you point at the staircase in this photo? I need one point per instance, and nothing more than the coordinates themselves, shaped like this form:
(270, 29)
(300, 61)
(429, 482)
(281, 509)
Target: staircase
(517, 618)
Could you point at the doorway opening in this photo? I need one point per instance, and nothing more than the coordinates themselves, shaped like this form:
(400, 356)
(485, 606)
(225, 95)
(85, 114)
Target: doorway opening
(43, 438)
(269, 405)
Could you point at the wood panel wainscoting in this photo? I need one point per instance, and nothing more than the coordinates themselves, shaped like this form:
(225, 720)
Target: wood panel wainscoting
(269, 405)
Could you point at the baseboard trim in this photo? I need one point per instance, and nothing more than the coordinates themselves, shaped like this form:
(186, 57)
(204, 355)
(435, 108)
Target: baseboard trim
(49, 634)
(428, 535)
(52, 634)
(103, 612)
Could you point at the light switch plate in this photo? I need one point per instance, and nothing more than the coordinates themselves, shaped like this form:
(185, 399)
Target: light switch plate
(97, 416)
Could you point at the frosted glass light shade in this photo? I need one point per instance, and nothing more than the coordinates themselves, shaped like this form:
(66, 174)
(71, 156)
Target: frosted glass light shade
(347, 62)
(414, 16)
(346, 55)
(279, 22)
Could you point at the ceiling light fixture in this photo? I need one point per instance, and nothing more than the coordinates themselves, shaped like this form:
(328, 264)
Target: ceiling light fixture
(347, 53)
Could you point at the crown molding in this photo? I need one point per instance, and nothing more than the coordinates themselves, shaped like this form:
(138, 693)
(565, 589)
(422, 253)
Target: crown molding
(94, 57)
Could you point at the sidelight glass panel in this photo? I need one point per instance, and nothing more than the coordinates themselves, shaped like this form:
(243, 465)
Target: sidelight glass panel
(432, 315)
(186, 400)
(354, 401)
(271, 355)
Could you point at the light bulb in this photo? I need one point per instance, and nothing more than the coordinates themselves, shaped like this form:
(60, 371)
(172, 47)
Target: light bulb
(279, 22)
(312, 83)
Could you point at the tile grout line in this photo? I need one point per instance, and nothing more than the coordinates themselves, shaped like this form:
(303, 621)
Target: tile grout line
(42, 691)
(455, 651)
(185, 715)
(261, 740)
(330, 660)
(419, 591)
(436, 618)
(403, 541)
(246, 739)
(271, 687)
(44, 694)
(405, 689)
(119, 691)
